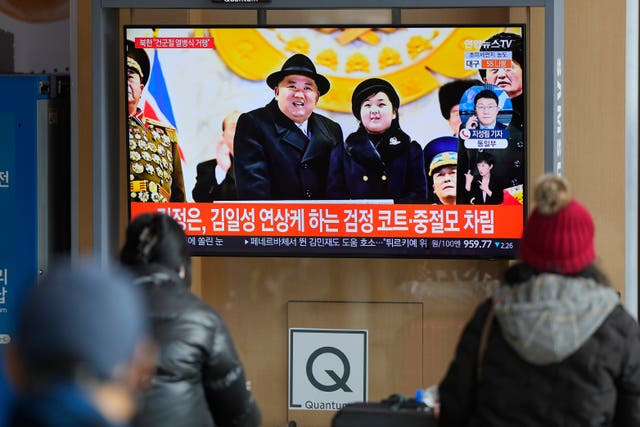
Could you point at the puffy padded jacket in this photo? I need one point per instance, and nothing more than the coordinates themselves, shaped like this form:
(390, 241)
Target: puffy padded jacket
(561, 351)
(199, 381)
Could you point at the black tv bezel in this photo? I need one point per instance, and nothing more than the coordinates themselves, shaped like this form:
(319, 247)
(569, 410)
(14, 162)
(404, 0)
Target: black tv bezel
(510, 255)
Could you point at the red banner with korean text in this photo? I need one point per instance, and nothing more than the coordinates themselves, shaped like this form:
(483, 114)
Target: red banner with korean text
(328, 219)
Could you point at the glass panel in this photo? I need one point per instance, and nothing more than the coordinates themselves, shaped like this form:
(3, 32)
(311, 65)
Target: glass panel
(479, 15)
(325, 16)
(413, 310)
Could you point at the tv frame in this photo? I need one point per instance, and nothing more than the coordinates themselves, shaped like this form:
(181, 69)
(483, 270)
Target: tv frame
(197, 250)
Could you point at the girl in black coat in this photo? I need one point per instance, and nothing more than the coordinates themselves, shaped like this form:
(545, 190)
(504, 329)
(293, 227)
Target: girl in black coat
(199, 379)
(379, 160)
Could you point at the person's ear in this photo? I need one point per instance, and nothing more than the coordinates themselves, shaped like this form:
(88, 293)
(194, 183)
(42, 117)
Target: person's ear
(276, 90)
(116, 398)
(14, 367)
(142, 368)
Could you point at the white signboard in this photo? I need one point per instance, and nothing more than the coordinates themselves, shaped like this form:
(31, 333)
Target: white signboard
(328, 368)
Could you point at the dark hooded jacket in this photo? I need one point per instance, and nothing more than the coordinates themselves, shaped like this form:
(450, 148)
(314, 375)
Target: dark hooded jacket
(61, 404)
(561, 351)
(199, 379)
(389, 168)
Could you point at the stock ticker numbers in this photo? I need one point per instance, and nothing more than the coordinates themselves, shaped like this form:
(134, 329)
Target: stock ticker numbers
(492, 247)
(489, 247)
(476, 244)
(488, 244)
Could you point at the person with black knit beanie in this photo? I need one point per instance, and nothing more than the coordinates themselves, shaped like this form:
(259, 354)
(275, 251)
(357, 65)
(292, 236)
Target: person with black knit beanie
(379, 160)
(553, 346)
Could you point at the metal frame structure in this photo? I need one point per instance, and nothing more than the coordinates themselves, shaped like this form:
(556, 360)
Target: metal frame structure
(631, 157)
(105, 62)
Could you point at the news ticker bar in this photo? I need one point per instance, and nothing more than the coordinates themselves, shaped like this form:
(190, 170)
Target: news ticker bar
(350, 246)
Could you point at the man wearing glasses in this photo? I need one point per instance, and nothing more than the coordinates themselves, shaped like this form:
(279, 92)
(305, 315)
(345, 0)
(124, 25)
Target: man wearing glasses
(486, 110)
(507, 151)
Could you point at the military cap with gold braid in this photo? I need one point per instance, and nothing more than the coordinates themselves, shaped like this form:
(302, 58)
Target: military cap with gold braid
(138, 60)
(441, 151)
(446, 158)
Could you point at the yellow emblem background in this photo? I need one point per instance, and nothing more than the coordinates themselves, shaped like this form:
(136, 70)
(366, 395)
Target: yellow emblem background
(252, 56)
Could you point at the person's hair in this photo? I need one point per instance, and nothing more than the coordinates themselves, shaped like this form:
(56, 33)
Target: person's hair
(486, 93)
(516, 47)
(155, 238)
(369, 87)
(450, 94)
(488, 158)
(521, 272)
(234, 113)
(393, 98)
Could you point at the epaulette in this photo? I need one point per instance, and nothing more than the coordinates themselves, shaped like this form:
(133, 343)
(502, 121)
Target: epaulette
(158, 124)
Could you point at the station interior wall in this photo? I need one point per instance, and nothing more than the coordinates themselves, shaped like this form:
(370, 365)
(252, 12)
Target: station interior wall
(414, 309)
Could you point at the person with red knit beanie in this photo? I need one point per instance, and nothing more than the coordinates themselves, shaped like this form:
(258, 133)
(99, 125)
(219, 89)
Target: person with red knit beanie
(553, 345)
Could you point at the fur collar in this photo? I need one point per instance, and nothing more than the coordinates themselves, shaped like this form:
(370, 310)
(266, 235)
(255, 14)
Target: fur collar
(391, 143)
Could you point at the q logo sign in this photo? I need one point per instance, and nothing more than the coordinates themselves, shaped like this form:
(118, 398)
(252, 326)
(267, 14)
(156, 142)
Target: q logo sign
(327, 368)
(338, 382)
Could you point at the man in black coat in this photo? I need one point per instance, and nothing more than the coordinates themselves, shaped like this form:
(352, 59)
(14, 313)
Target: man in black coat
(215, 179)
(282, 149)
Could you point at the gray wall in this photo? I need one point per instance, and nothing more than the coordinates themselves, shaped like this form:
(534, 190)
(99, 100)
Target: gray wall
(35, 48)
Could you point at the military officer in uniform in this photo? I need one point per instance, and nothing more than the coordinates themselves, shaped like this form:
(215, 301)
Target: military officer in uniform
(155, 168)
(441, 167)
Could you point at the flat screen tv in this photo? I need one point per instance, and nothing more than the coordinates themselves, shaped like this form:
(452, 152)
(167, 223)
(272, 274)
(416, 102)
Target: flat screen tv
(349, 141)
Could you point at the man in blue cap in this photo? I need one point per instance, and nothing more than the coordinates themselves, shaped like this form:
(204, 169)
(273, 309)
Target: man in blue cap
(441, 165)
(282, 149)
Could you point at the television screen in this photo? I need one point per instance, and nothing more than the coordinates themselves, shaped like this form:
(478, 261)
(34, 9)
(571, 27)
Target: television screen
(350, 141)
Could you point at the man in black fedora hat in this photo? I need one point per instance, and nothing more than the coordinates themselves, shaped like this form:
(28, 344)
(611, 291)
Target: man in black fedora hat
(155, 168)
(282, 149)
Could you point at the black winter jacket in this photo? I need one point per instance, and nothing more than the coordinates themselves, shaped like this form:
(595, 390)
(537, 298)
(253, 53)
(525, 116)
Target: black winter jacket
(199, 381)
(274, 160)
(394, 169)
(561, 352)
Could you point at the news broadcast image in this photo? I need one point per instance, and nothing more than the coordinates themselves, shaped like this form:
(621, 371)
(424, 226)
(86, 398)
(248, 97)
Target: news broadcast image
(456, 100)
